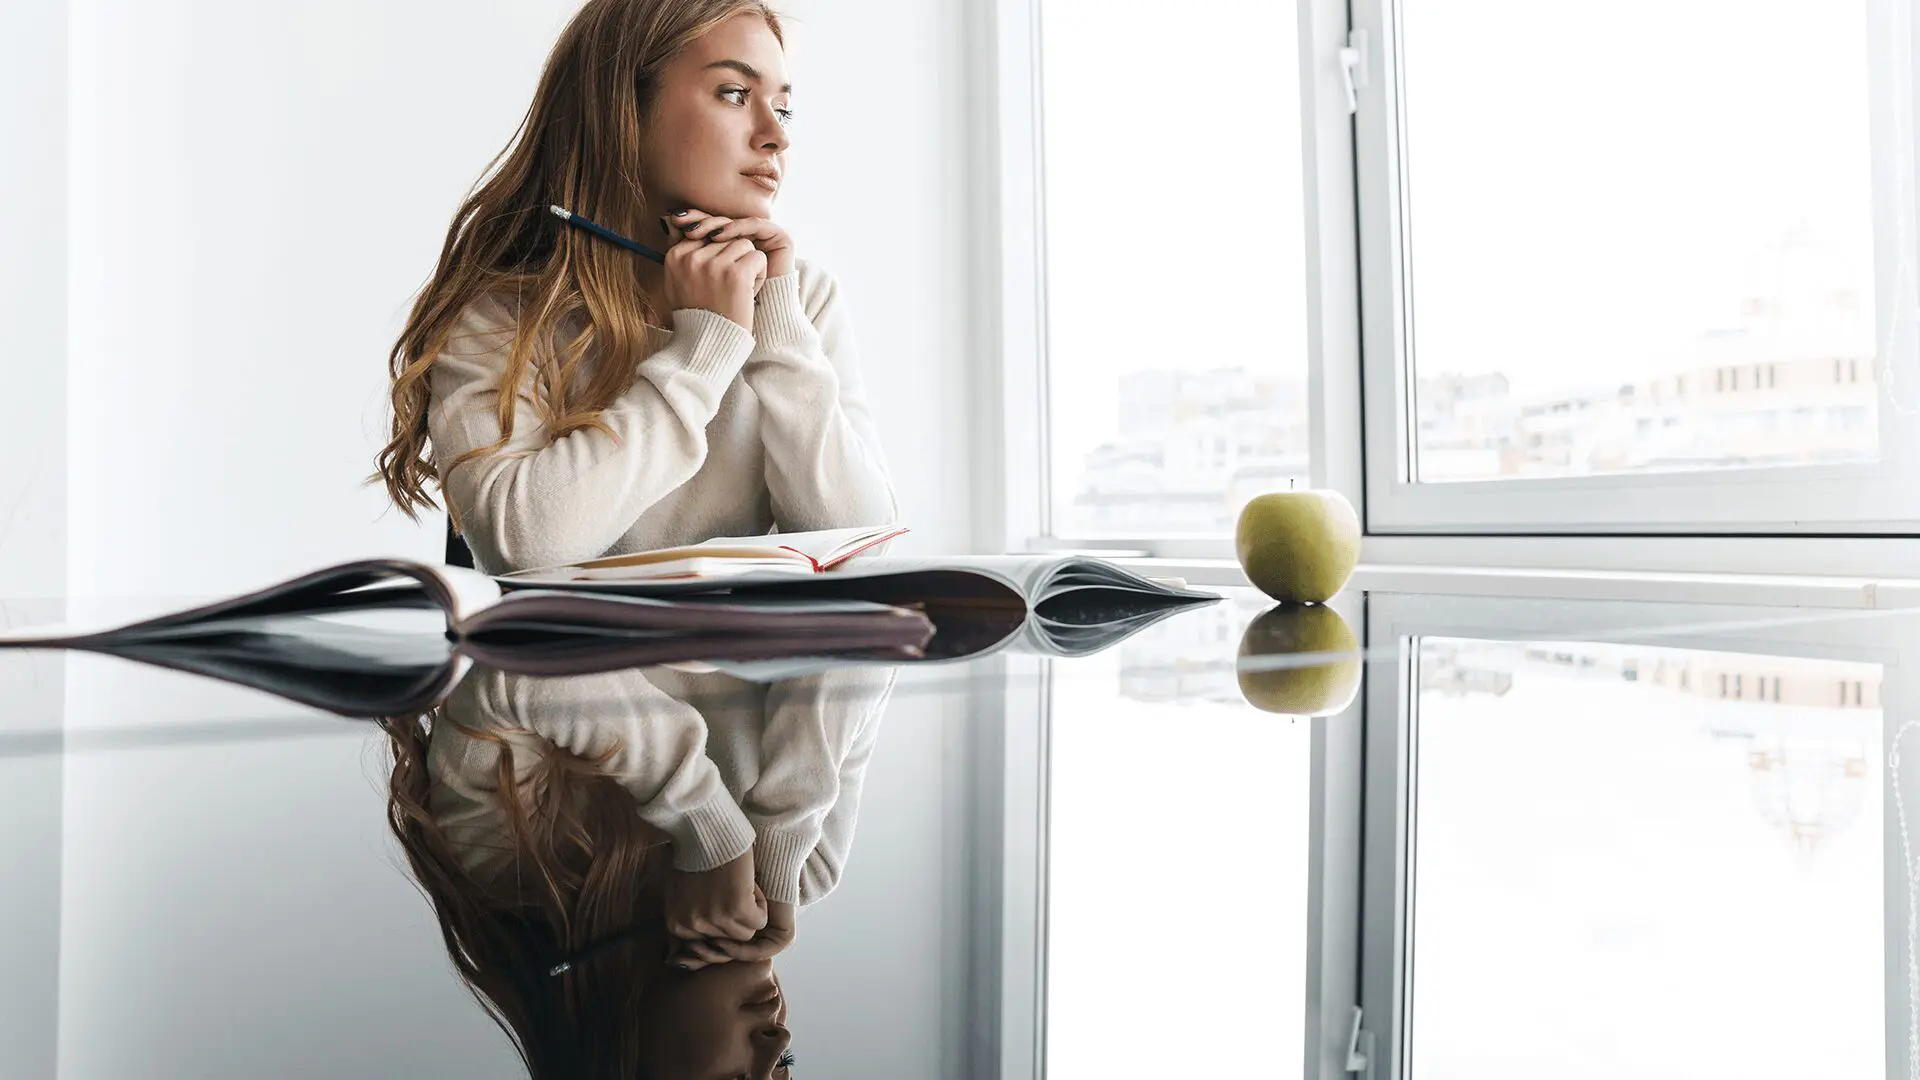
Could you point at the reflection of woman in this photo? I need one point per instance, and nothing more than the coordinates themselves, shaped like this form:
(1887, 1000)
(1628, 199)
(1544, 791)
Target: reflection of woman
(616, 859)
(571, 399)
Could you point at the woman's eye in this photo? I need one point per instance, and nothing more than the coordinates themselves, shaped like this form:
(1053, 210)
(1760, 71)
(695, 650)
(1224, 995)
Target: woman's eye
(735, 94)
(785, 115)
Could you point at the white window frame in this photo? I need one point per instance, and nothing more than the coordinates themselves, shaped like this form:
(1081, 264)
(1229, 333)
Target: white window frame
(1394, 624)
(1882, 498)
(1014, 488)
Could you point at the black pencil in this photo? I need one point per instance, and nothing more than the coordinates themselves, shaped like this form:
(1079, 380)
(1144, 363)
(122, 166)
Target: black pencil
(605, 233)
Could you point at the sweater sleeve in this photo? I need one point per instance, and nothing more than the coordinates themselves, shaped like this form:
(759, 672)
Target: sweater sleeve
(650, 742)
(825, 469)
(818, 739)
(540, 501)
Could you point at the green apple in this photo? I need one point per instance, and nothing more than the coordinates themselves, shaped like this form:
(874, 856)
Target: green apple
(1318, 688)
(1299, 547)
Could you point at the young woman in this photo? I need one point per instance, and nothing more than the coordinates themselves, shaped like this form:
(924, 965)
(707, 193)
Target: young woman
(615, 860)
(571, 399)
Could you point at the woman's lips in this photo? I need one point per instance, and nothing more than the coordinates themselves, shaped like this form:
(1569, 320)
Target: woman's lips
(766, 995)
(763, 180)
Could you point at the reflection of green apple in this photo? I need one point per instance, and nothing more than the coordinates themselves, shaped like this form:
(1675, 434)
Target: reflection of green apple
(1317, 689)
(1299, 547)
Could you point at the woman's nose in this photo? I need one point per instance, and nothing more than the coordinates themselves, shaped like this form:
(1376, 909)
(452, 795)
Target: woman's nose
(774, 138)
(769, 1042)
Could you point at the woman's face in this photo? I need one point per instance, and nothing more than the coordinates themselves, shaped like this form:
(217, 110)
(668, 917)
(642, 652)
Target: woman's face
(716, 138)
(719, 1023)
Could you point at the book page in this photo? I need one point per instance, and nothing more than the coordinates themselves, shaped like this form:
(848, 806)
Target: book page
(695, 569)
(467, 592)
(829, 546)
(370, 583)
(756, 548)
(1028, 575)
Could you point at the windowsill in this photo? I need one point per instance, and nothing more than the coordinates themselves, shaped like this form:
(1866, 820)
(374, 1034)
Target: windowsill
(1772, 590)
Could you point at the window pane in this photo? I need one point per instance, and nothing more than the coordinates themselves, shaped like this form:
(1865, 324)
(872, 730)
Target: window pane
(1175, 263)
(1640, 236)
(1618, 848)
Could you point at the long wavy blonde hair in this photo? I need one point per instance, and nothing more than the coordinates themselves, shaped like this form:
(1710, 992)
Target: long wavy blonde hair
(584, 869)
(579, 147)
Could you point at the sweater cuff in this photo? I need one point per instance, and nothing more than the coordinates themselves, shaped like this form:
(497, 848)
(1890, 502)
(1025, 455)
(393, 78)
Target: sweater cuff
(720, 345)
(778, 858)
(710, 835)
(780, 318)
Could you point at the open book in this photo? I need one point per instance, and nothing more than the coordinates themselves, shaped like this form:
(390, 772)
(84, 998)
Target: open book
(725, 557)
(1062, 605)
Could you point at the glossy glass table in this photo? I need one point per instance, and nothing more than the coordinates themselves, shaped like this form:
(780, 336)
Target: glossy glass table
(1521, 837)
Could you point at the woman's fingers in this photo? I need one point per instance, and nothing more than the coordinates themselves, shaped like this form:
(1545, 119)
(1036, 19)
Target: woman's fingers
(734, 250)
(746, 259)
(702, 255)
(742, 925)
(696, 955)
(698, 226)
(683, 220)
(706, 229)
(763, 232)
(748, 951)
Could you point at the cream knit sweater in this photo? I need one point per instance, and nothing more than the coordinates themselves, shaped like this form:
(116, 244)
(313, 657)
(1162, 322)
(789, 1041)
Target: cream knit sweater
(722, 433)
(720, 765)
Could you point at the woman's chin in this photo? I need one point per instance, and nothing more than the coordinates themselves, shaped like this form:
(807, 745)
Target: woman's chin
(738, 206)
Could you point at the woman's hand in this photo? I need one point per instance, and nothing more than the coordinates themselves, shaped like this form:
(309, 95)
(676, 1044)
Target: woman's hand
(771, 240)
(719, 903)
(771, 941)
(721, 277)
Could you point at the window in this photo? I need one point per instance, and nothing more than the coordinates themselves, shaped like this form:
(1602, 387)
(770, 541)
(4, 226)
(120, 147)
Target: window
(1174, 264)
(1562, 202)
(1610, 280)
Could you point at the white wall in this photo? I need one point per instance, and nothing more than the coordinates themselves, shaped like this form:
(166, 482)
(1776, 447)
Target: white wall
(258, 189)
(879, 195)
(33, 195)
